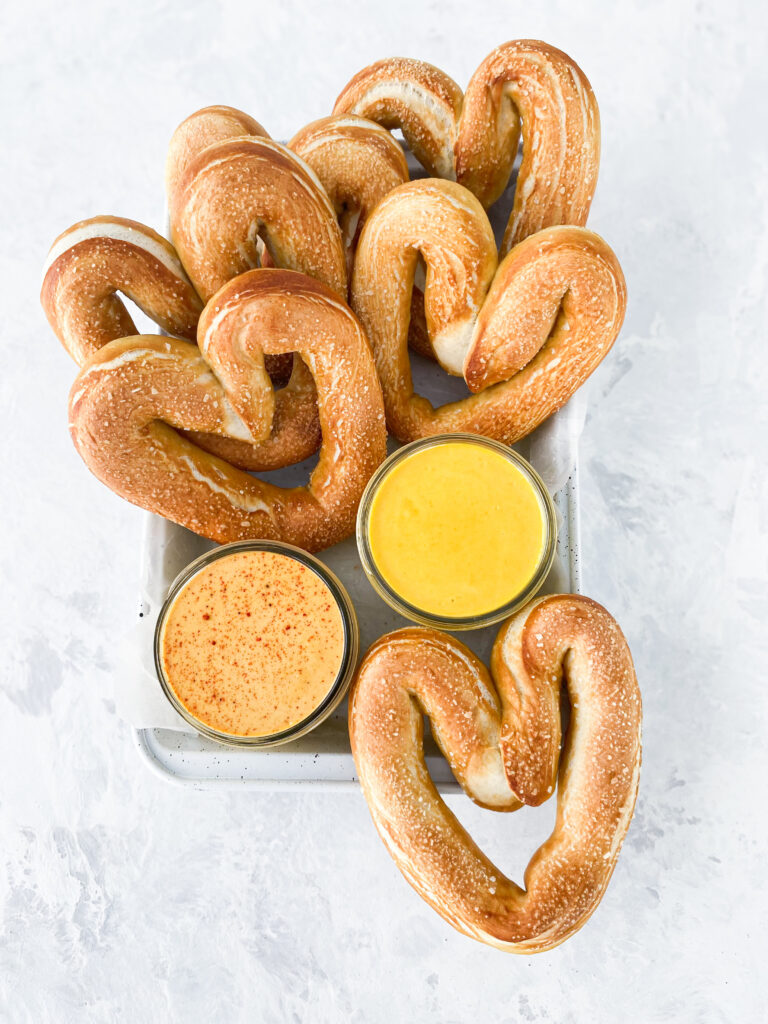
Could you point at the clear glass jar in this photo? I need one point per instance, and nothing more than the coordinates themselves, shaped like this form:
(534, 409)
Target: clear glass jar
(337, 690)
(410, 611)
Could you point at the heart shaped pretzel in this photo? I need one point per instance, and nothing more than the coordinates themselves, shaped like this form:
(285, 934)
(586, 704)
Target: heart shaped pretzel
(528, 331)
(94, 260)
(130, 401)
(473, 138)
(502, 738)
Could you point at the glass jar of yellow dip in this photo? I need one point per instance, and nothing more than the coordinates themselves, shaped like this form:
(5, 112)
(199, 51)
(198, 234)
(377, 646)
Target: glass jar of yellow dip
(456, 531)
(256, 643)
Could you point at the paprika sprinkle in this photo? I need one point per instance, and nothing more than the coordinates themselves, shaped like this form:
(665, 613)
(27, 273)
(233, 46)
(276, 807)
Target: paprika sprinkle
(254, 641)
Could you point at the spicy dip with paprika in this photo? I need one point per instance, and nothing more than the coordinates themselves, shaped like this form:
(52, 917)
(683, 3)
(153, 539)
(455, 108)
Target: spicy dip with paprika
(256, 643)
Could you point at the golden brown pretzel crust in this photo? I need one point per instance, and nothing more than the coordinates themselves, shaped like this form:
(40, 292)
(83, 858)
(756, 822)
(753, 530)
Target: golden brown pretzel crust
(357, 162)
(128, 404)
(201, 129)
(235, 192)
(414, 96)
(295, 432)
(93, 260)
(502, 740)
(523, 84)
(525, 335)
(531, 82)
(198, 131)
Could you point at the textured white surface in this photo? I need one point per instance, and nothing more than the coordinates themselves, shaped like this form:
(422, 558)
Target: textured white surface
(126, 899)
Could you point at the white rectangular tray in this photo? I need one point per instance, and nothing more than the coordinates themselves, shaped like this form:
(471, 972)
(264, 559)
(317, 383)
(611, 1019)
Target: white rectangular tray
(323, 757)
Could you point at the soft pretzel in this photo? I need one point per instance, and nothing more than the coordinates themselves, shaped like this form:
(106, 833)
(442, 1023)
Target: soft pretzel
(473, 138)
(129, 402)
(237, 194)
(200, 130)
(93, 260)
(528, 333)
(205, 128)
(502, 738)
(414, 96)
(357, 163)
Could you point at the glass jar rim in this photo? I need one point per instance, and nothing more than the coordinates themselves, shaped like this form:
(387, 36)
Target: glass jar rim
(337, 690)
(421, 615)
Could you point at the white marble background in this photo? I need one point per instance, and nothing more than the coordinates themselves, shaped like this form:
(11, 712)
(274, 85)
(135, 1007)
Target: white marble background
(125, 898)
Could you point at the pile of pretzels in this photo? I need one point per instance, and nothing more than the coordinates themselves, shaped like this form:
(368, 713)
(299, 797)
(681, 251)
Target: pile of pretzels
(296, 280)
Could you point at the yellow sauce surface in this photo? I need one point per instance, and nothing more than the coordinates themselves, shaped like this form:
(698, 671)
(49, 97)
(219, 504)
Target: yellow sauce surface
(253, 643)
(456, 530)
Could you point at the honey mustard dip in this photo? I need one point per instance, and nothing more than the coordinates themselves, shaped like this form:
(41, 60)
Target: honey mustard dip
(252, 643)
(455, 529)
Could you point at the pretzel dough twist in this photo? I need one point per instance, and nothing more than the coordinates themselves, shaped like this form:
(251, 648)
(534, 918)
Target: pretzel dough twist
(503, 744)
(528, 332)
(205, 128)
(129, 401)
(473, 138)
(92, 261)
(240, 194)
(357, 162)
(95, 259)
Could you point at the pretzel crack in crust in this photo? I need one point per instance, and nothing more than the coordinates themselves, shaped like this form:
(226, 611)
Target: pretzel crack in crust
(240, 190)
(95, 259)
(523, 85)
(526, 334)
(130, 401)
(502, 740)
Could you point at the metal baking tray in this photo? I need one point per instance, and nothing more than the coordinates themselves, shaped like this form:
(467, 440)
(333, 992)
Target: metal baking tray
(323, 758)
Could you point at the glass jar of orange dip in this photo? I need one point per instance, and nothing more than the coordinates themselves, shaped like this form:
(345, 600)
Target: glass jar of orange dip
(456, 531)
(256, 643)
